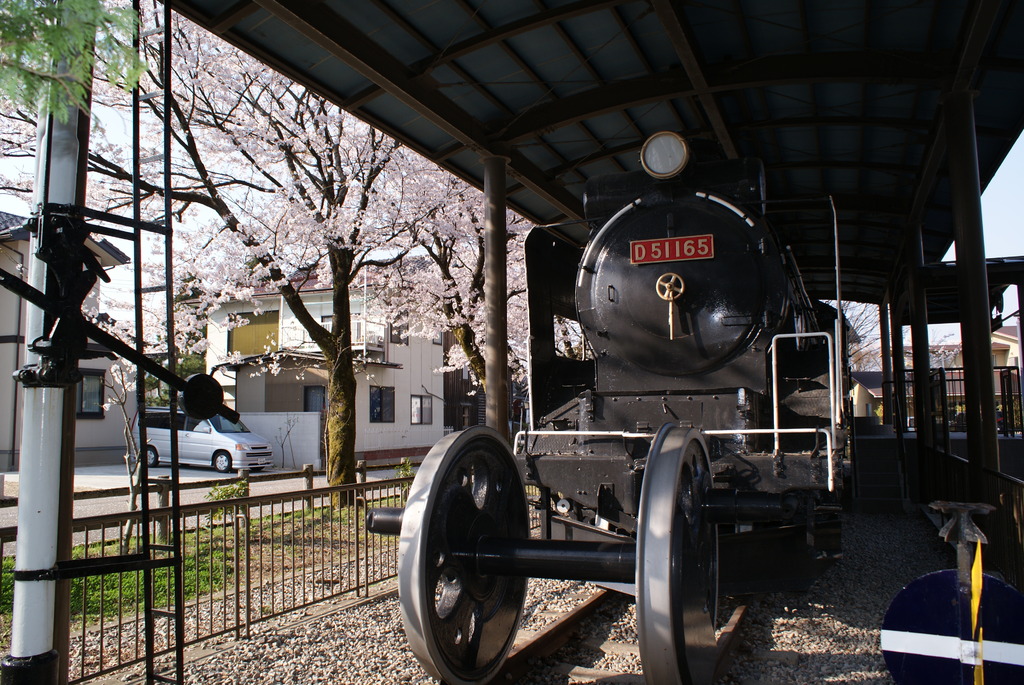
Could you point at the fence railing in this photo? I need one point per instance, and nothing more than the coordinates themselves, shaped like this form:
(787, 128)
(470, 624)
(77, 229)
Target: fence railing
(948, 401)
(1005, 526)
(244, 560)
(946, 478)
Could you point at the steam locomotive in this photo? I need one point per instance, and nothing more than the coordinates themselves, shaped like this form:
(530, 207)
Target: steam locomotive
(686, 396)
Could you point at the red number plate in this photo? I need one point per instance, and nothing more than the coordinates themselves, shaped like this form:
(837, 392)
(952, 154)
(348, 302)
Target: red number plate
(671, 249)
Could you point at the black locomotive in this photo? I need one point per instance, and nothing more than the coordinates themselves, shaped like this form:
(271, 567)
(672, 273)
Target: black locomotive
(686, 398)
(692, 315)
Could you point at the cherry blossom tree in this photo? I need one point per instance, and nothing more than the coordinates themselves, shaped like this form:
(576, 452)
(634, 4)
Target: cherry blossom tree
(275, 188)
(287, 192)
(440, 286)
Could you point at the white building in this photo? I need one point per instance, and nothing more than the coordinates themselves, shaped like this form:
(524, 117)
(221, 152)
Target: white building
(399, 393)
(98, 434)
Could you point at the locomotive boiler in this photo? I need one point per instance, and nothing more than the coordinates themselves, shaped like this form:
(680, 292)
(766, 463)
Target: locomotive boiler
(686, 429)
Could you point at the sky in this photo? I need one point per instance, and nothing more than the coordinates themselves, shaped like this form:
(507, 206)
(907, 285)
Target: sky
(1001, 201)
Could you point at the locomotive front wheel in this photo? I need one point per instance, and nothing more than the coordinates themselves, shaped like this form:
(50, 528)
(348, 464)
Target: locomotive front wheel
(677, 562)
(460, 623)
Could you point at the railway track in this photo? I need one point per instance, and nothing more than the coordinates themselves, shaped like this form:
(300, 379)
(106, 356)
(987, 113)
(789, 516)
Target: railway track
(547, 643)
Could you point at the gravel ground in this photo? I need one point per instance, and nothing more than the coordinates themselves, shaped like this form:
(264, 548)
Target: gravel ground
(830, 634)
(827, 635)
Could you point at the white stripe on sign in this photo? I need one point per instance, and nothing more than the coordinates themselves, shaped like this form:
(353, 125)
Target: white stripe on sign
(951, 647)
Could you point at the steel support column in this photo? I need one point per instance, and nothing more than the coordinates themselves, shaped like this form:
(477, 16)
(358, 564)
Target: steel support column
(911, 486)
(922, 359)
(496, 293)
(883, 339)
(972, 279)
(1019, 286)
(899, 365)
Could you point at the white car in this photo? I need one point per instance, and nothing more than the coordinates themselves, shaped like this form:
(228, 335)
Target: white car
(217, 442)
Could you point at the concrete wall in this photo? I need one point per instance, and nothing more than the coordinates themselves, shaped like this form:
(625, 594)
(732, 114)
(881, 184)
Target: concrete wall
(295, 436)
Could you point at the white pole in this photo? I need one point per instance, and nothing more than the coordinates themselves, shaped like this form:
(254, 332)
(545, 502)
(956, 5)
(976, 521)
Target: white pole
(32, 618)
(32, 657)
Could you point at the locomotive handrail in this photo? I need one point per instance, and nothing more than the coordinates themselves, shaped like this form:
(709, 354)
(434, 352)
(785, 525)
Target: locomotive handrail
(831, 374)
(832, 394)
(600, 434)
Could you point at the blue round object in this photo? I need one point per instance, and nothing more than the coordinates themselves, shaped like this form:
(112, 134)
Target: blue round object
(926, 634)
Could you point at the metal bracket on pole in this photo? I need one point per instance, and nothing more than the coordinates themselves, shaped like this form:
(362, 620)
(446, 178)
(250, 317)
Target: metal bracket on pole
(962, 528)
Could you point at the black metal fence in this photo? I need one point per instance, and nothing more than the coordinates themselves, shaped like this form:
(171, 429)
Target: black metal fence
(245, 560)
(948, 401)
(945, 476)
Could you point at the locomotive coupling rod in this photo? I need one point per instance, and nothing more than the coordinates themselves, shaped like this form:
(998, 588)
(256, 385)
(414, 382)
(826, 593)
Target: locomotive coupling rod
(731, 506)
(559, 559)
(385, 520)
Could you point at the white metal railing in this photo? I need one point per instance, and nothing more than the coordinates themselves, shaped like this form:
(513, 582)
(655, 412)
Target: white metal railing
(831, 438)
(524, 434)
(832, 410)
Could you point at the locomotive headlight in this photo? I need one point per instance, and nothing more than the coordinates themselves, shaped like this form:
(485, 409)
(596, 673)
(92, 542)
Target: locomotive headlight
(665, 154)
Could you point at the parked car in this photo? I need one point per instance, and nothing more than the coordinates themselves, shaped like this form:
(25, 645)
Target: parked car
(216, 442)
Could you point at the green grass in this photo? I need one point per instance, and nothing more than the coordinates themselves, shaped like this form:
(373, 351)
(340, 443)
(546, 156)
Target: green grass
(206, 567)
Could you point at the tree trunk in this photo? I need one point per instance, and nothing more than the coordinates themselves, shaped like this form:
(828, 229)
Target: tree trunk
(341, 419)
(466, 337)
(341, 376)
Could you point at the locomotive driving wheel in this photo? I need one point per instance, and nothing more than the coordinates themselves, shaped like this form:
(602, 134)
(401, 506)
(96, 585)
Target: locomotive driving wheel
(461, 623)
(677, 562)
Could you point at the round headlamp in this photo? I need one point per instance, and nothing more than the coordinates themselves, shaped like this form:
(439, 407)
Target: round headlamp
(665, 154)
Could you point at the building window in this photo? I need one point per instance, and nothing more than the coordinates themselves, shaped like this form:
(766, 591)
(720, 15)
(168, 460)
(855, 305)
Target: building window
(382, 404)
(89, 395)
(399, 334)
(314, 398)
(422, 409)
